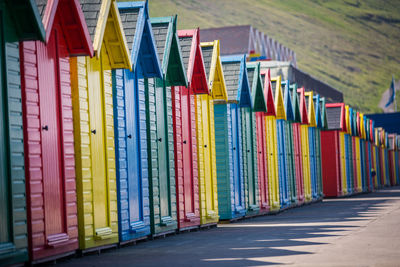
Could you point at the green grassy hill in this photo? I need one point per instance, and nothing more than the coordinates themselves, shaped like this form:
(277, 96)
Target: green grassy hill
(351, 45)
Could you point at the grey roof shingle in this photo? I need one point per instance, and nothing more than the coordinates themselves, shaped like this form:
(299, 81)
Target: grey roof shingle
(207, 57)
(129, 18)
(333, 115)
(231, 74)
(91, 11)
(250, 75)
(160, 31)
(41, 5)
(186, 44)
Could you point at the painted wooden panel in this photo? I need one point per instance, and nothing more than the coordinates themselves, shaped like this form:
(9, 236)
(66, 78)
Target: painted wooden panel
(387, 170)
(237, 148)
(273, 172)
(319, 163)
(160, 143)
(349, 168)
(206, 159)
(377, 166)
(13, 217)
(186, 169)
(132, 166)
(369, 166)
(382, 166)
(305, 150)
(330, 155)
(49, 146)
(363, 163)
(262, 159)
(229, 172)
(313, 162)
(282, 164)
(94, 145)
(343, 162)
(249, 147)
(298, 163)
(290, 159)
(355, 166)
(397, 166)
(358, 164)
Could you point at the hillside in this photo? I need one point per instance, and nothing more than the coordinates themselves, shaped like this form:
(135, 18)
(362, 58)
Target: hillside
(351, 45)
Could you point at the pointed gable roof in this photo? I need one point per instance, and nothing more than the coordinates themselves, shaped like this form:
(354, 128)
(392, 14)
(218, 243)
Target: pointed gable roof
(362, 125)
(287, 100)
(139, 38)
(105, 26)
(371, 130)
(72, 23)
(366, 128)
(169, 50)
(193, 60)
(266, 81)
(279, 104)
(348, 125)
(26, 17)
(309, 96)
(352, 121)
(237, 84)
(303, 105)
(358, 124)
(322, 107)
(295, 102)
(214, 71)
(256, 88)
(336, 116)
(318, 118)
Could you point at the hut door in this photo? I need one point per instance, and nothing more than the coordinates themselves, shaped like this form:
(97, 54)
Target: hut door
(133, 145)
(311, 143)
(187, 153)
(281, 161)
(262, 153)
(205, 102)
(100, 185)
(5, 216)
(250, 156)
(50, 113)
(236, 157)
(162, 153)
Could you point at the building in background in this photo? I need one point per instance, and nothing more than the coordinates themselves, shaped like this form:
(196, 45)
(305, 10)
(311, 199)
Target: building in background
(244, 39)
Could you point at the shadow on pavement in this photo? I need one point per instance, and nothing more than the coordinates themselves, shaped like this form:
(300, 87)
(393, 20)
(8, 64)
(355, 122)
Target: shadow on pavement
(250, 242)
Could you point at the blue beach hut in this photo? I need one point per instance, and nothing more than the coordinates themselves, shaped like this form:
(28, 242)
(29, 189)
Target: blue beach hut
(130, 122)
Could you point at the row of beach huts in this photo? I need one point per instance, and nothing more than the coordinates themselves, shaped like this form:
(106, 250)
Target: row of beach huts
(116, 127)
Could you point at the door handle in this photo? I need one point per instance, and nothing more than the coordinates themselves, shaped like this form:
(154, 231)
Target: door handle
(259, 152)
(129, 136)
(248, 150)
(93, 131)
(159, 139)
(205, 145)
(234, 148)
(184, 141)
(45, 128)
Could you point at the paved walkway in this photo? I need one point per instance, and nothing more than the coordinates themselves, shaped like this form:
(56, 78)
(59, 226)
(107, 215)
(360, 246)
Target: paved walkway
(362, 230)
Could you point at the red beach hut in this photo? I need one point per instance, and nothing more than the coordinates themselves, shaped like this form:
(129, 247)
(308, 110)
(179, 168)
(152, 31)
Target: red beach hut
(184, 121)
(48, 128)
(331, 150)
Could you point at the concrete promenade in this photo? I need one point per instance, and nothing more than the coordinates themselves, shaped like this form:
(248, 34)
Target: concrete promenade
(362, 230)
